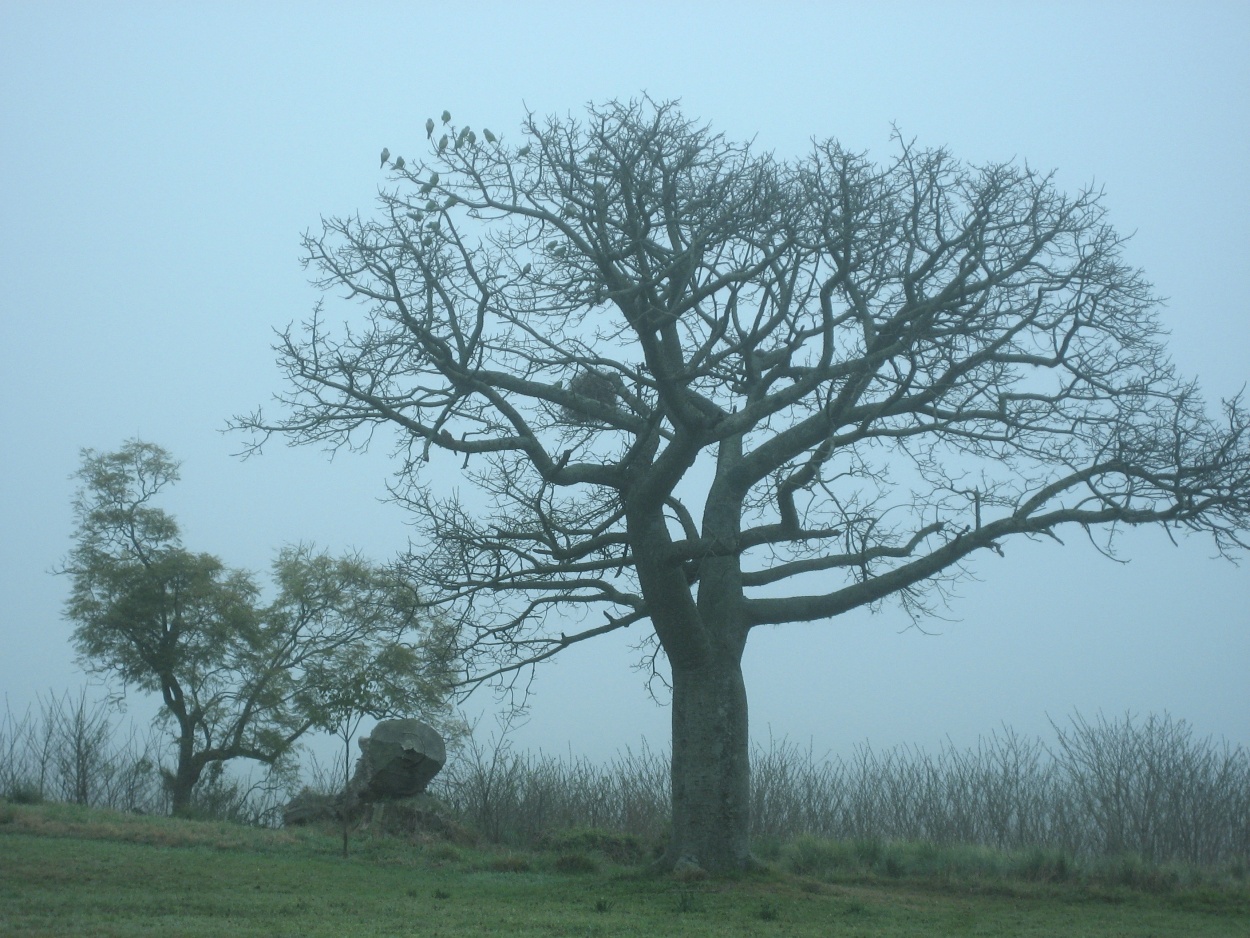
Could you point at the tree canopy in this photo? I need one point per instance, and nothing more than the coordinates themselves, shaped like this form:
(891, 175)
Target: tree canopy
(238, 677)
(701, 388)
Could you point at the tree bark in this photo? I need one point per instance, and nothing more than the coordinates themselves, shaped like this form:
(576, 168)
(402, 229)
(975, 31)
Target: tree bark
(711, 774)
(182, 783)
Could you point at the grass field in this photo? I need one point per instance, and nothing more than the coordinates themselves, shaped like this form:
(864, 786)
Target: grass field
(66, 870)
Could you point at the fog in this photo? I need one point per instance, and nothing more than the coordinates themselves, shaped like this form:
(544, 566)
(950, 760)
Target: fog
(161, 162)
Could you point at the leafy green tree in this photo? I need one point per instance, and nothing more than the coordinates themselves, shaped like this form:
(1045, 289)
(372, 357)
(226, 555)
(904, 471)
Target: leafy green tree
(703, 389)
(238, 678)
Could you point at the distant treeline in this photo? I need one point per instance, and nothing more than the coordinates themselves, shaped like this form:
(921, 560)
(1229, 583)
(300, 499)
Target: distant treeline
(1103, 787)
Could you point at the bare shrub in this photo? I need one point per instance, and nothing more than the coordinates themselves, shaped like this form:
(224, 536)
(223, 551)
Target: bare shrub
(68, 748)
(512, 797)
(1146, 788)
(1107, 789)
(241, 799)
(1152, 789)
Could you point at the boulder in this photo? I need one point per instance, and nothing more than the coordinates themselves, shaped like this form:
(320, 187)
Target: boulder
(421, 818)
(397, 760)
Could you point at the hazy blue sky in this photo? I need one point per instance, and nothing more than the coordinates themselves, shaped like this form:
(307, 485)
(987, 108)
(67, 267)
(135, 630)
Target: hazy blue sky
(159, 162)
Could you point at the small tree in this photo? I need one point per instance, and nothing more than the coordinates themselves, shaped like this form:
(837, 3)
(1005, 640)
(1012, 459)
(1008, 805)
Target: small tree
(237, 679)
(383, 682)
(706, 390)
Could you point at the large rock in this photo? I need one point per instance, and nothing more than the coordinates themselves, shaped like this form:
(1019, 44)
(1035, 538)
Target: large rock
(397, 760)
(421, 818)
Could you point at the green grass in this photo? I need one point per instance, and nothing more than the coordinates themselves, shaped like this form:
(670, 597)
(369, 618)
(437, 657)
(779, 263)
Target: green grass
(71, 871)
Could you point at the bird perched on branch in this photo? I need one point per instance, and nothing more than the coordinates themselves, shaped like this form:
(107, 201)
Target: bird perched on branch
(399, 163)
(429, 127)
(446, 117)
(386, 155)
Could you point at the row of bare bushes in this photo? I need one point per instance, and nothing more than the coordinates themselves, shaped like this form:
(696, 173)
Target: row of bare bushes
(1106, 787)
(70, 749)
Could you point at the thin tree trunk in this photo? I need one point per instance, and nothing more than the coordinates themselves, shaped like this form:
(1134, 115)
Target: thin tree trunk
(181, 792)
(711, 767)
(347, 778)
(185, 778)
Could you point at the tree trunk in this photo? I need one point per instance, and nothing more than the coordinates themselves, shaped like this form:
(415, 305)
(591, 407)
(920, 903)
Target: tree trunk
(711, 767)
(182, 783)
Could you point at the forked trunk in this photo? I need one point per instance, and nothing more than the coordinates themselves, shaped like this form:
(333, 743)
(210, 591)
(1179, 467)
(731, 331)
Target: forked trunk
(711, 767)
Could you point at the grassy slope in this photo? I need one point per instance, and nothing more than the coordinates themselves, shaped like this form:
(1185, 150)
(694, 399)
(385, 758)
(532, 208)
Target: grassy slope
(69, 871)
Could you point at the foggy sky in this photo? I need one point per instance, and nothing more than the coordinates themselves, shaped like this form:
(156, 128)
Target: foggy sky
(159, 164)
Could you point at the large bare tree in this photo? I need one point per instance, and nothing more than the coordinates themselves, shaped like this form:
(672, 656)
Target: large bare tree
(690, 386)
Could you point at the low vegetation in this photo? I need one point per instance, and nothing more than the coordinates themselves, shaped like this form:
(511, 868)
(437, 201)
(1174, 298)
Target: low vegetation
(1117, 826)
(70, 869)
(1148, 788)
(69, 748)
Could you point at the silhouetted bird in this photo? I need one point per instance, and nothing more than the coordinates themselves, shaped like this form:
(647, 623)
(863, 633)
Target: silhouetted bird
(386, 155)
(429, 128)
